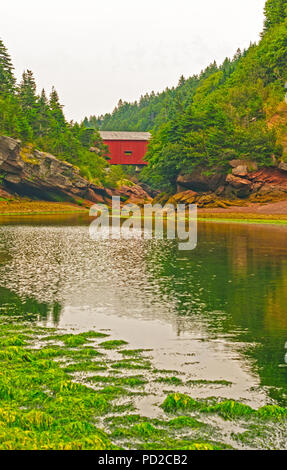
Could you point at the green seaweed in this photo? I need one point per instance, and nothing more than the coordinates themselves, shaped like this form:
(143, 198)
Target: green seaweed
(208, 382)
(178, 401)
(42, 407)
(74, 340)
(112, 344)
(131, 365)
(85, 366)
(131, 381)
(170, 380)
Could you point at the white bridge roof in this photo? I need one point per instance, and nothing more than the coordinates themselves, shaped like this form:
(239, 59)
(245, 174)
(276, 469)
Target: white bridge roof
(119, 135)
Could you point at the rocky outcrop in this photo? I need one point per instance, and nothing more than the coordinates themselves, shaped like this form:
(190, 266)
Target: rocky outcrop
(245, 183)
(202, 200)
(26, 171)
(133, 194)
(242, 167)
(200, 181)
(242, 186)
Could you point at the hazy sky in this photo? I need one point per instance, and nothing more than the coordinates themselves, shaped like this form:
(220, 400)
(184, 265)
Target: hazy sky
(96, 52)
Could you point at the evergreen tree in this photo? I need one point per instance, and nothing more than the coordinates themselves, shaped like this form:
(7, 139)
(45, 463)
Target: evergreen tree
(27, 91)
(43, 115)
(7, 80)
(181, 81)
(56, 108)
(28, 99)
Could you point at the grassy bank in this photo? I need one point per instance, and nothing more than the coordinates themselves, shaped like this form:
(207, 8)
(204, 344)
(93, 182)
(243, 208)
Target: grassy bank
(26, 207)
(81, 391)
(244, 218)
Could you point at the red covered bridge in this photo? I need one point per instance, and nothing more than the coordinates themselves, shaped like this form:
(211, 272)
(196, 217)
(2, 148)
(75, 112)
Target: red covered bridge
(126, 148)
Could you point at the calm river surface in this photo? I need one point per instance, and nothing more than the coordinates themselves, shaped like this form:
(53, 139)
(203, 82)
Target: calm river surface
(216, 313)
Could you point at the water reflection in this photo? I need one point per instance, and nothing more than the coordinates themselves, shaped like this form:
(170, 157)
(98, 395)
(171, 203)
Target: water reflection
(27, 309)
(224, 302)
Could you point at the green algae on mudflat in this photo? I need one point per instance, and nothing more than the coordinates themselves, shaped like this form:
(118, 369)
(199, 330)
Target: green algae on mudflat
(42, 405)
(86, 366)
(208, 382)
(165, 371)
(112, 344)
(74, 340)
(61, 352)
(170, 380)
(228, 409)
(131, 381)
(131, 364)
(144, 430)
(38, 396)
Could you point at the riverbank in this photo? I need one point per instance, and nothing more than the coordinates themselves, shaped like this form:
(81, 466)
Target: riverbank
(80, 391)
(262, 213)
(275, 212)
(27, 207)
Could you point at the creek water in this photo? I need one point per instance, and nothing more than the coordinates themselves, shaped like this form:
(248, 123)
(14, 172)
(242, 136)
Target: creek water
(216, 313)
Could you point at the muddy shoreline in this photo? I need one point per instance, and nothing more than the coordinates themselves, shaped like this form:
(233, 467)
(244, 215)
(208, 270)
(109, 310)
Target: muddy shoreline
(276, 211)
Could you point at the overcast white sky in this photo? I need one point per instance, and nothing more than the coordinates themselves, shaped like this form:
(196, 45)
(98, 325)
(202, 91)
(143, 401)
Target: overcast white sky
(98, 51)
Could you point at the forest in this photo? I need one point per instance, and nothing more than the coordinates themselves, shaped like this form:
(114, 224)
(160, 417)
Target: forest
(223, 113)
(39, 119)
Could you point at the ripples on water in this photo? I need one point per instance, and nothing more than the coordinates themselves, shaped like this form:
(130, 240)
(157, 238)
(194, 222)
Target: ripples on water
(218, 312)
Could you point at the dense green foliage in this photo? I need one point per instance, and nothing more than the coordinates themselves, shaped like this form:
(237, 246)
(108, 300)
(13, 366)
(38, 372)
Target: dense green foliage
(35, 118)
(214, 117)
(275, 13)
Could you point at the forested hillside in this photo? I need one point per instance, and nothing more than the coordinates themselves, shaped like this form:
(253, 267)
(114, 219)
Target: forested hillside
(235, 110)
(38, 119)
(152, 110)
(227, 112)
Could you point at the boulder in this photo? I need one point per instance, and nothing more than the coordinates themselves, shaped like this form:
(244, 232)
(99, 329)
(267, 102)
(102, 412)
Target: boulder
(242, 187)
(235, 163)
(199, 181)
(240, 170)
(134, 194)
(10, 178)
(237, 182)
(249, 164)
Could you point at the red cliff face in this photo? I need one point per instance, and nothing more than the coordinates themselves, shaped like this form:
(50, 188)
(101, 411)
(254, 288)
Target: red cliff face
(243, 185)
(273, 177)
